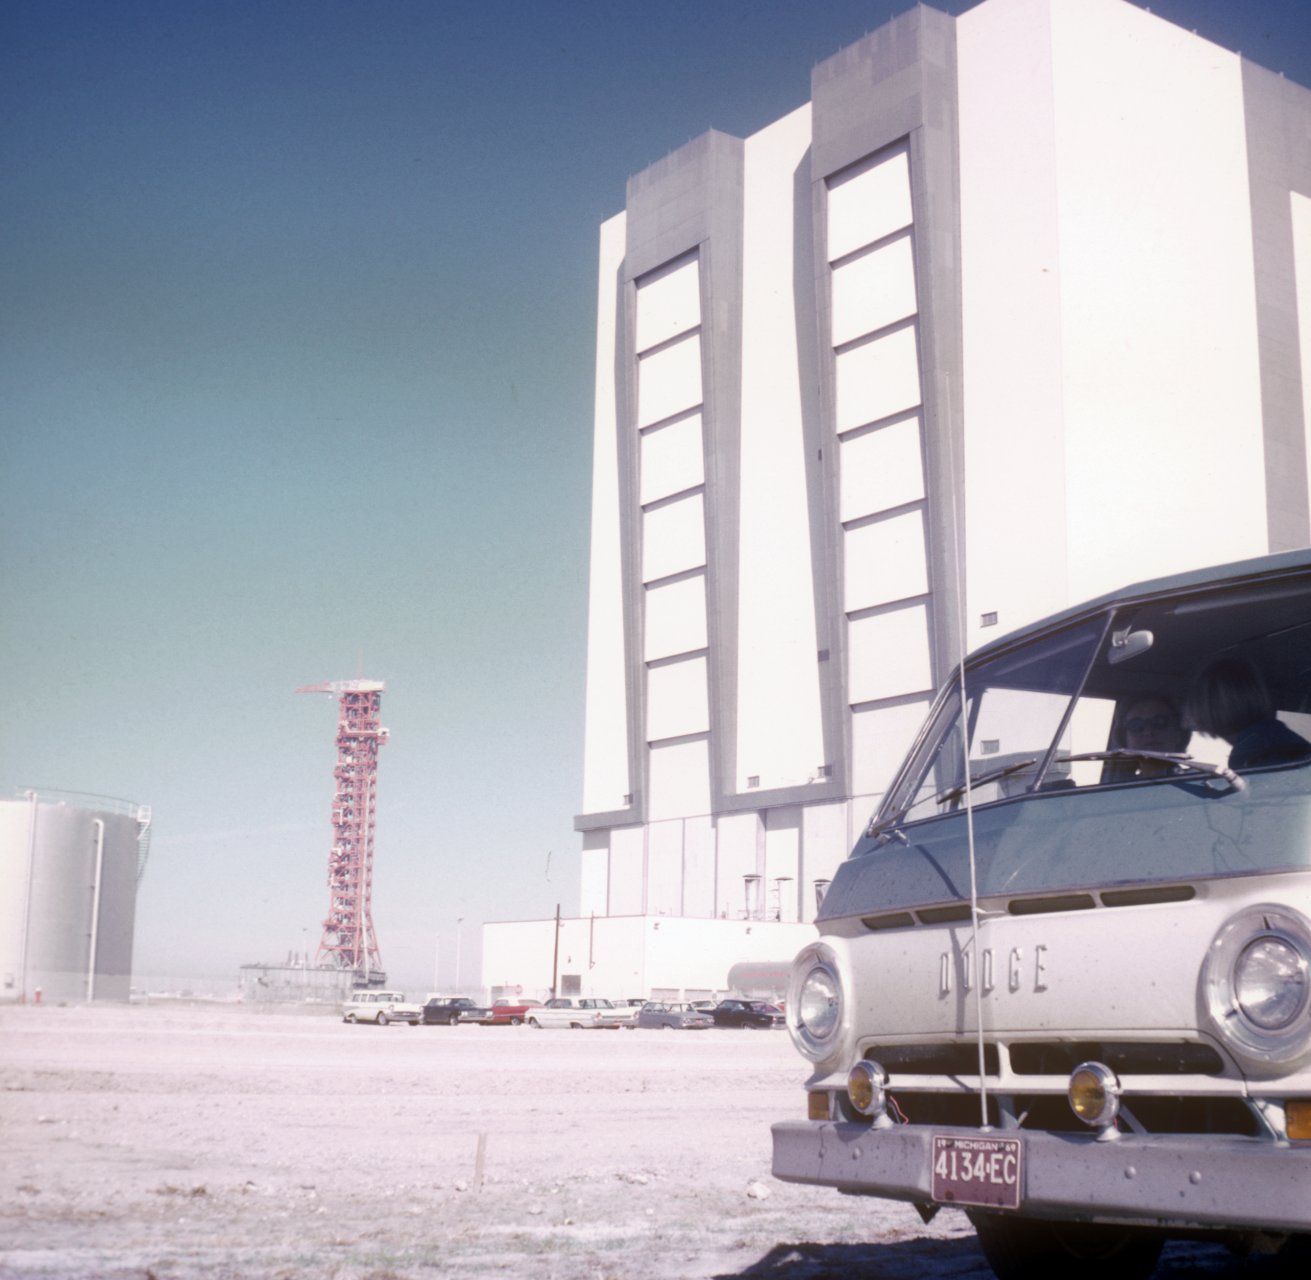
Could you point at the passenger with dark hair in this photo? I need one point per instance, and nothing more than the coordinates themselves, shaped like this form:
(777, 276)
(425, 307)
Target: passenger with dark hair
(1230, 700)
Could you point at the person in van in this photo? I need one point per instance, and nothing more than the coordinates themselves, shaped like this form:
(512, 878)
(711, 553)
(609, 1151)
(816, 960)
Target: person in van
(1230, 700)
(1148, 723)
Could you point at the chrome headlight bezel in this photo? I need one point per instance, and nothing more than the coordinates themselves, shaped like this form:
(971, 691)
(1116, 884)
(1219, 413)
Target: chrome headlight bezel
(1260, 1046)
(817, 1037)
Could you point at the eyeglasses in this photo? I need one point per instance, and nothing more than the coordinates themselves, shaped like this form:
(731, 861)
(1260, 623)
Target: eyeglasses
(1157, 722)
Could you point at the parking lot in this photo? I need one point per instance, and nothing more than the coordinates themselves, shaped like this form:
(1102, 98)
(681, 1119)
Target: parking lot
(221, 1141)
(169, 1141)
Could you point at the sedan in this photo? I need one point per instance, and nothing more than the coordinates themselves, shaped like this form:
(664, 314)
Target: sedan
(565, 1012)
(450, 1012)
(682, 1017)
(753, 1014)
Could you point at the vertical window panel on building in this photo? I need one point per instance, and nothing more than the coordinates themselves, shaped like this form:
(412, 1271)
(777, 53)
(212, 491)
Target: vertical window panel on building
(673, 538)
(675, 619)
(888, 654)
(627, 870)
(884, 561)
(880, 737)
(677, 703)
(594, 874)
(738, 838)
(699, 866)
(873, 290)
(668, 302)
(664, 868)
(824, 845)
(868, 201)
(679, 780)
(669, 380)
(880, 469)
(877, 379)
(672, 459)
(782, 862)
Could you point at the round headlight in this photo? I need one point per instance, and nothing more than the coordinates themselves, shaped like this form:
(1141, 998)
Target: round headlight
(814, 1003)
(1270, 979)
(1256, 986)
(820, 1006)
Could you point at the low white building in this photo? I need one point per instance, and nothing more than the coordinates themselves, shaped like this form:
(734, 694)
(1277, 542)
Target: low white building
(1016, 309)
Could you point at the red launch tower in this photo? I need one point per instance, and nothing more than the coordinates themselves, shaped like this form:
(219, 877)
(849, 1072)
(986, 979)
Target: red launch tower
(348, 940)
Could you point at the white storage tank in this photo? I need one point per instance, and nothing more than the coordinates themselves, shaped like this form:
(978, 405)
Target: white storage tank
(69, 869)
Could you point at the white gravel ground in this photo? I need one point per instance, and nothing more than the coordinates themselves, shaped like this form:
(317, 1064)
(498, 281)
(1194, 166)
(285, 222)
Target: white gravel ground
(168, 1142)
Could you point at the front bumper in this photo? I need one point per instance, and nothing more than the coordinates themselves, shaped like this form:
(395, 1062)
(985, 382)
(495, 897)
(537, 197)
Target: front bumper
(1156, 1180)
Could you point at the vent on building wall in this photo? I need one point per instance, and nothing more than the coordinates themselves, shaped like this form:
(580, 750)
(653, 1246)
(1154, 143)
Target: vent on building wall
(988, 620)
(753, 780)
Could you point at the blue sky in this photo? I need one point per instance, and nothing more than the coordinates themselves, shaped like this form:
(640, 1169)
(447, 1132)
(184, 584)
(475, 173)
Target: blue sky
(297, 346)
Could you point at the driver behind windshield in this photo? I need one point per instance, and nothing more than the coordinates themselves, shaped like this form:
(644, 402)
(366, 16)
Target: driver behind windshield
(1150, 723)
(1230, 700)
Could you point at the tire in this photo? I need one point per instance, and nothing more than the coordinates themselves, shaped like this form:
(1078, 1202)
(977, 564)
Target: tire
(575, 1026)
(350, 1017)
(516, 1022)
(664, 1026)
(1035, 1249)
(383, 1019)
(453, 1020)
(536, 1026)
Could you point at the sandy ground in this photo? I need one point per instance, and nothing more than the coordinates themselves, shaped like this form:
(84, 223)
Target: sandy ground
(171, 1142)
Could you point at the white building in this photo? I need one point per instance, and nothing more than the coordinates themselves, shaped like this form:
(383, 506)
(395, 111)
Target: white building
(1014, 310)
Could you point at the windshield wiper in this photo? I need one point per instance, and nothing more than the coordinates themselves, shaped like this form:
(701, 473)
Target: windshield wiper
(1170, 757)
(955, 793)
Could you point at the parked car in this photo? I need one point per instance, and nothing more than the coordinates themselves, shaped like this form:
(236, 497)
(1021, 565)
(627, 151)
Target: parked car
(380, 1008)
(619, 1012)
(508, 1013)
(450, 1010)
(566, 1012)
(662, 1015)
(755, 1015)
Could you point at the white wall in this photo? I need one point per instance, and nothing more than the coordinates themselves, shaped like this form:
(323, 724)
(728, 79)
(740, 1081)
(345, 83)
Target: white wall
(1301, 214)
(1112, 405)
(629, 957)
(605, 745)
(779, 738)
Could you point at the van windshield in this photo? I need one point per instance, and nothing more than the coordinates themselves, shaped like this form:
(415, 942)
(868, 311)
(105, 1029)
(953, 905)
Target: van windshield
(1120, 697)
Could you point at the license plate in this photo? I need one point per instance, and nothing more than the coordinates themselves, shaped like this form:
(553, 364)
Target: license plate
(977, 1171)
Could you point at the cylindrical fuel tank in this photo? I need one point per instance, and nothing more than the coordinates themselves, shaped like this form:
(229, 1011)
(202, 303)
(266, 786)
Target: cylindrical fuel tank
(68, 889)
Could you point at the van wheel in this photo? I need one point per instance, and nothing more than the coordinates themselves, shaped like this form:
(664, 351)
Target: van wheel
(383, 1019)
(1035, 1249)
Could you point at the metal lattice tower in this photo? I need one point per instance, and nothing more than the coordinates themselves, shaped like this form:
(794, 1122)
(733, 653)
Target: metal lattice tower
(348, 940)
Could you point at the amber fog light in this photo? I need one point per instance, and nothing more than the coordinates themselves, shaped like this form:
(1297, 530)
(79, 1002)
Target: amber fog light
(867, 1089)
(1297, 1115)
(1094, 1093)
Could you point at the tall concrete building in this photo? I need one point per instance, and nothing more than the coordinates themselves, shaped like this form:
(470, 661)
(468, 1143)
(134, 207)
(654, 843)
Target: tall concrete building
(1016, 309)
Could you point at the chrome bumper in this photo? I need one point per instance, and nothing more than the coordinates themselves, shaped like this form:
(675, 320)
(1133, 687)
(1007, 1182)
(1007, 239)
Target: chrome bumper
(1156, 1180)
